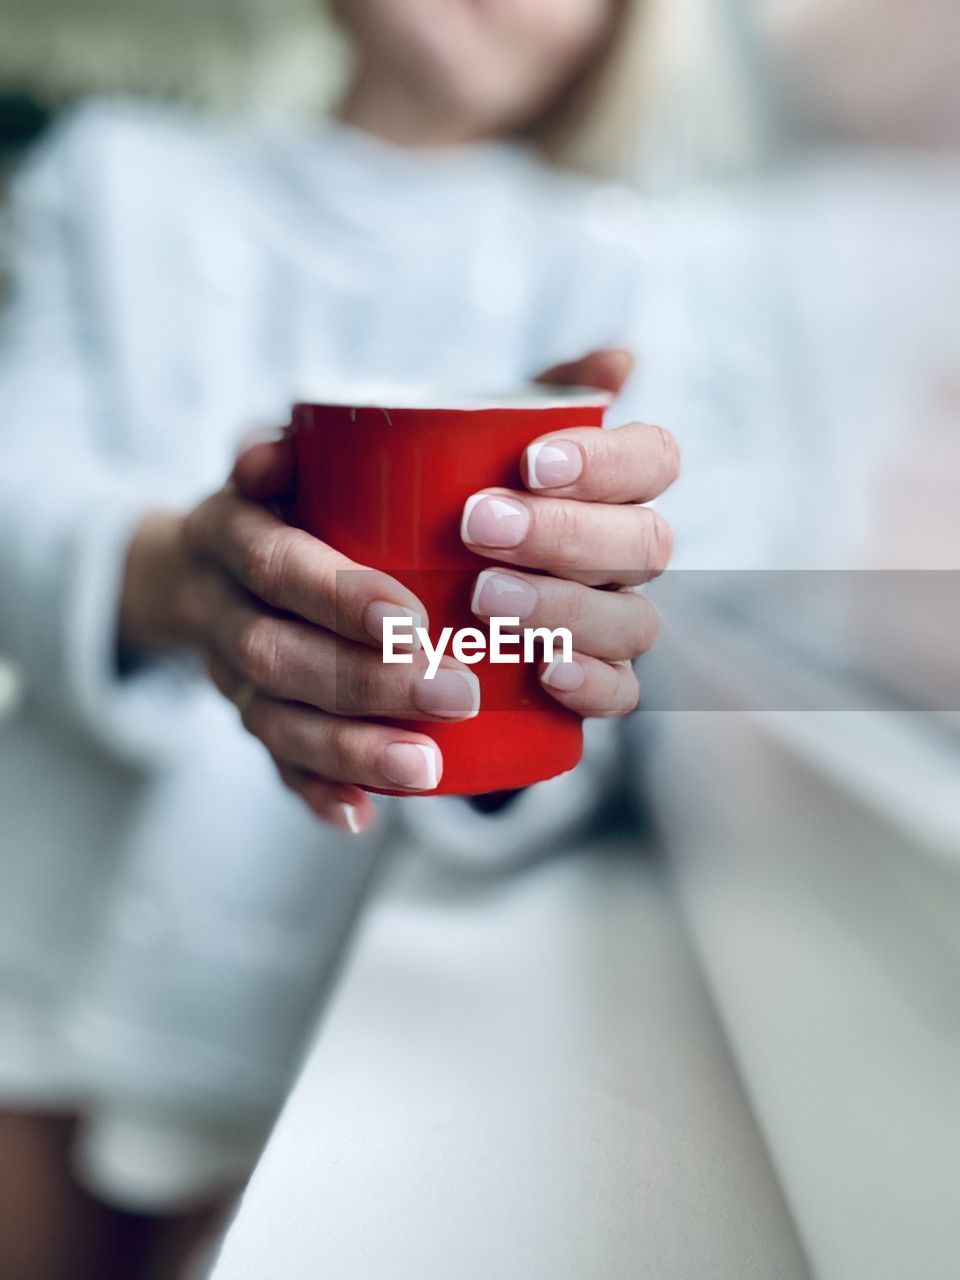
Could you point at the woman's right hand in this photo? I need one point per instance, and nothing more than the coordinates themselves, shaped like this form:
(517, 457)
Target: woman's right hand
(291, 631)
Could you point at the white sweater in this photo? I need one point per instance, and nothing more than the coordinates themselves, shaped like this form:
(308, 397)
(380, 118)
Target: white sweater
(168, 914)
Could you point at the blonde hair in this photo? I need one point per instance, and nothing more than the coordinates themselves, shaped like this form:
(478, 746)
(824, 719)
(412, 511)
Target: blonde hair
(594, 128)
(672, 99)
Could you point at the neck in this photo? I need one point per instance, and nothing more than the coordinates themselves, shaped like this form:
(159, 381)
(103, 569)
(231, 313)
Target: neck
(383, 107)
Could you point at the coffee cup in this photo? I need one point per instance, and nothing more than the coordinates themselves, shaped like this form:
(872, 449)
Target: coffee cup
(383, 476)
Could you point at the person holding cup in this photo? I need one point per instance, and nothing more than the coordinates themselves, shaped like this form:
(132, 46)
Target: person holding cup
(293, 631)
(173, 282)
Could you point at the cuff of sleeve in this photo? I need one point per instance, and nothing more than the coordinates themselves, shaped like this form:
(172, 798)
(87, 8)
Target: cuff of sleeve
(64, 562)
(142, 715)
(532, 826)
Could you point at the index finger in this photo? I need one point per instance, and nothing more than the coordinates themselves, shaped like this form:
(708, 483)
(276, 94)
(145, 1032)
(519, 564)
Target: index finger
(607, 369)
(294, 572)
(635, 463)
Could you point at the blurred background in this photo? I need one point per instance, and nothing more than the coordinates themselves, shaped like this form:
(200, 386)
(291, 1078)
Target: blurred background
(226, 55)
(702, 98)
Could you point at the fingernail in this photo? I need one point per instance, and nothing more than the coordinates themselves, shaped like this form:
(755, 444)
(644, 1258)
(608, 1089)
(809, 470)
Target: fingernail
(553, 463)
(490, 521)
(452, 693)
(377, 610)
(411, 765)
(502, 595)
(565, 677)
(351, 819)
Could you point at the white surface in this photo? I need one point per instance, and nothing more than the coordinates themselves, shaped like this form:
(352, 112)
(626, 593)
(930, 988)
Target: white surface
(900, 764)
(819, 859)
(222, 53)
(519, 1078)
(820, 851)
(833, 948)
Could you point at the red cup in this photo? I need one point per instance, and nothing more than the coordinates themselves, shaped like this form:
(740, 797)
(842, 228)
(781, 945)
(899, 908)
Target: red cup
(385, 483)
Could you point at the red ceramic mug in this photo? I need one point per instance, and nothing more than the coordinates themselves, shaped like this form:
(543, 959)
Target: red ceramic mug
(384, 481)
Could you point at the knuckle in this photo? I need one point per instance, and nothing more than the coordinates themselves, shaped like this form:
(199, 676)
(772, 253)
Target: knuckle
(573, 607)
(668, 452)
(257, 654)
(263, 565)
(561, 531)
(643, 629)
(359, 686)
(606, 710)
(350, 752)
(651, 627)
(632, 695)
(656, 544)
(621, 694)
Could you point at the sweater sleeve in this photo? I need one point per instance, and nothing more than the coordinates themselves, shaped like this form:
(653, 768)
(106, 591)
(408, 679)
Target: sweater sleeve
(70, 493)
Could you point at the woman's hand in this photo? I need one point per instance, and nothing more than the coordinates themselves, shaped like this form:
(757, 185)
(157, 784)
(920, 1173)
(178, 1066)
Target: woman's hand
(295, 642)
(577, 525)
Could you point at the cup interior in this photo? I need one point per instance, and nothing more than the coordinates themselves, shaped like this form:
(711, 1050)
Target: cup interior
(398, 396)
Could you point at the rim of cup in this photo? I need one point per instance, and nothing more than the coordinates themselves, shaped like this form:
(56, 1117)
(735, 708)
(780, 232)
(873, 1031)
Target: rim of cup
(399, 396)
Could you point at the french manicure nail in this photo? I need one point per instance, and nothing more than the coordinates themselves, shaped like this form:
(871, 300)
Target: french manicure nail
(551, 464)
(414, 766)
(452, 694)
(350, 818)
(377, 610)
(502, 595)
(492, 521)
(565, 677)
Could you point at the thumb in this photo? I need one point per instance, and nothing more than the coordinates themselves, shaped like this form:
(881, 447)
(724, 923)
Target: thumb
(607, 370)
(264, 471)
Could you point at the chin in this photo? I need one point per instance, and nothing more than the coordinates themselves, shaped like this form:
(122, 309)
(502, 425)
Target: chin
(441, 42)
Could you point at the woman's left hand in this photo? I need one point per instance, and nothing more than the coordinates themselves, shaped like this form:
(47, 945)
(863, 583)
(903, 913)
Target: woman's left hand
(578, 524)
